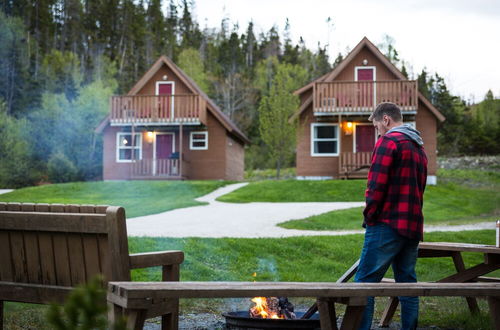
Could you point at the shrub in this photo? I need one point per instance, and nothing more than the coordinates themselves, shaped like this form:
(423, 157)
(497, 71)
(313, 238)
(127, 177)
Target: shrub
(61, 169)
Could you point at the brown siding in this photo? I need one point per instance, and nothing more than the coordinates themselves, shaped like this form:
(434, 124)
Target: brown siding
(306, 164)
(111, 169)
(382, 73)
(426, 123)
(208, 164)
(235, 159)
(150, 87)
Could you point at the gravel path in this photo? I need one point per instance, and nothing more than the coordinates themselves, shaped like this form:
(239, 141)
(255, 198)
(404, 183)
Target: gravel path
(247, 220)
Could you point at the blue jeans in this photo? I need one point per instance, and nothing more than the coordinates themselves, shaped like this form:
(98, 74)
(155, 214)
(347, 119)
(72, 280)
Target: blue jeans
(384, 246)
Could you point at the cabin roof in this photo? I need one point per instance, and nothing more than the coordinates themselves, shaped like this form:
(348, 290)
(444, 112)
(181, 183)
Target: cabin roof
(192, 86)
(330, 76)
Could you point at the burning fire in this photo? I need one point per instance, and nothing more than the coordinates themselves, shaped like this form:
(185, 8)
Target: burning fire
(262, 310)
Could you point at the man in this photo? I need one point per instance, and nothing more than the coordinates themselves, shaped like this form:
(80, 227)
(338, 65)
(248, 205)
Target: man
(393, 214)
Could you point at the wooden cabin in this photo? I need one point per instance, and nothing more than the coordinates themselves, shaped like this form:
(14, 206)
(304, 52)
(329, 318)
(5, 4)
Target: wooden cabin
(166, 127)
(335, 138)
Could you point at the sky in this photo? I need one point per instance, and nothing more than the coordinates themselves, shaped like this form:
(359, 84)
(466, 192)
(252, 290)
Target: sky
(458, 39)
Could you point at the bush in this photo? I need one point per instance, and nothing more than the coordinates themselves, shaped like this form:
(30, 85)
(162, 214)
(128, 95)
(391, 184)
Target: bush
(85, 309)
(61, 169)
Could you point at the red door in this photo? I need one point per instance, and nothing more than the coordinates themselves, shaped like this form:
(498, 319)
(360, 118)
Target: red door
(164, 149)
(164, 146)
(366, 77)
(165, 102)
(365, 138)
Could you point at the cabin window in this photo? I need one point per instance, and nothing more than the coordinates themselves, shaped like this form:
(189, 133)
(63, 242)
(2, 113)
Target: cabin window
(198, 141)
(128, 148)
(324, 139)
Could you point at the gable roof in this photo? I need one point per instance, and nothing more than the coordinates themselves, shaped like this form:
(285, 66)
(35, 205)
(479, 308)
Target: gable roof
(330, 76)
(192, 86)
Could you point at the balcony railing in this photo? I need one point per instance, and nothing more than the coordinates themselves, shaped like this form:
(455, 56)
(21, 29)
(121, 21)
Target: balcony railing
(147, 168)
(179, 108)
(363, 96)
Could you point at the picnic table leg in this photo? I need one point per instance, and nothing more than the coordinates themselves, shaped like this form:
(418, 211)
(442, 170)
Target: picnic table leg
(327, 316)
(353, 313)
(170, 321)
(494, 304)
(115, 312)
(389, 311)
(460, 267)
(135, 318)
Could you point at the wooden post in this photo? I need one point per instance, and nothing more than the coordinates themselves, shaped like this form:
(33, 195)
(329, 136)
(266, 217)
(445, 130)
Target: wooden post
(494, 304)
(180, 149)
(171, 321)
(338, 145)
(327, 316)
(1, 315)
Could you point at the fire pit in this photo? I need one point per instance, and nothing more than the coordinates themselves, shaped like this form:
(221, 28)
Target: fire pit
(271, 313)
(242, 320)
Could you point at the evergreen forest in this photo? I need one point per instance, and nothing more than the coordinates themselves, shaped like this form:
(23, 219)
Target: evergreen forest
(61, 60)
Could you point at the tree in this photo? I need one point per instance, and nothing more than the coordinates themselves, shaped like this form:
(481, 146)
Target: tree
(16, 169)
(388, 49)
(62, 72)
(191, 63)
(14, 63)
(275, 109)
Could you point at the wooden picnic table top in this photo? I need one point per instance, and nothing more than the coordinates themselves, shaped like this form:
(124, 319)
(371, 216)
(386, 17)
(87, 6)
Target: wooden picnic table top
(461, 247)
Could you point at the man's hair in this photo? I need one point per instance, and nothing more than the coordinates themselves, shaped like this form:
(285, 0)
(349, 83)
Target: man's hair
(386, 108)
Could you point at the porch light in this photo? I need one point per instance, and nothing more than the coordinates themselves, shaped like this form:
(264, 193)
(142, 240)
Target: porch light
(125, 141)
(348, 128)
(150, 136)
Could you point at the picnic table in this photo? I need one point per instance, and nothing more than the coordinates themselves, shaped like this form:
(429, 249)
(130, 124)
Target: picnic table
(490, 263)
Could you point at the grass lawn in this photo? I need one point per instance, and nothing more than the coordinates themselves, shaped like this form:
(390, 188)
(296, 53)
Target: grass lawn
(138, 197)
(461, 197)
(298, 191)
(292, 259)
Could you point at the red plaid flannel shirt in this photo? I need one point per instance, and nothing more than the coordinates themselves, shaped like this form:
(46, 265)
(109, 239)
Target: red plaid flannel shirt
(396, 184)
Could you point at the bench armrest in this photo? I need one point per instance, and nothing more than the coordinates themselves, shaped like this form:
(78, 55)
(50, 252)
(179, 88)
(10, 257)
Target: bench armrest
(153, 259)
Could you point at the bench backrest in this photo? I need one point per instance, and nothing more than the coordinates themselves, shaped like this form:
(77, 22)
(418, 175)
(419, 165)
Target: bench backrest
(62, 245)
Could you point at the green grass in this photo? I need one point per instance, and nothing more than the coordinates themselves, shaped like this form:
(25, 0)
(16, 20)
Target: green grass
(323, 258)
(298, 191)
(137, 197)
(461, 197)
(308, 259)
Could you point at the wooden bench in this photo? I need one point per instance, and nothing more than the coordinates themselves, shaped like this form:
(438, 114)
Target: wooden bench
(137, 297)
(48, 249)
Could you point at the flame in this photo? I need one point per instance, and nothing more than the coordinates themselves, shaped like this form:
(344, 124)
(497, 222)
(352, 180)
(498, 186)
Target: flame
(262, 309)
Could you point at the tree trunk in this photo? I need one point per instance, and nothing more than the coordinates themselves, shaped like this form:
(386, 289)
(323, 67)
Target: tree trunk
(278, 167)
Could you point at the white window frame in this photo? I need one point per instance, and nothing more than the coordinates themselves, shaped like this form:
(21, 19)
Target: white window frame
(157, 92)
(118, 147)
(313, 140)
(354, 135)
(191, 140)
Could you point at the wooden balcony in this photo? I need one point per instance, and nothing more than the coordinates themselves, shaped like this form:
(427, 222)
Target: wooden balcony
(157, 169)
(363, 96)
(155, 109)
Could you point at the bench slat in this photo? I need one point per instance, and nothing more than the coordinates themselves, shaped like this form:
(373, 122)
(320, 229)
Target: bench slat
(39, 221)
(63, 272)
(47, 259)
(33, 293)
(141, 290)
(6, 271)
